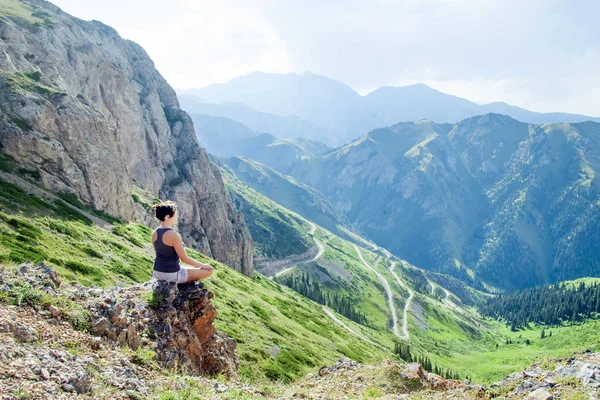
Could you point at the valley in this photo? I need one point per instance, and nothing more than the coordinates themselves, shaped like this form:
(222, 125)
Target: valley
(402, 243)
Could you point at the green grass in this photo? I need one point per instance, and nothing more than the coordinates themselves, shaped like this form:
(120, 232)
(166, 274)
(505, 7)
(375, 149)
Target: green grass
(277, 232)
(281, 335)
(261, 314)
(24, 14)
(23, 83)
(19, 10)
(74, 201)
(32, 229)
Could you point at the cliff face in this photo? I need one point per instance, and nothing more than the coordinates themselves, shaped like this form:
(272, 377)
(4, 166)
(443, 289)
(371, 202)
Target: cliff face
(89, 110)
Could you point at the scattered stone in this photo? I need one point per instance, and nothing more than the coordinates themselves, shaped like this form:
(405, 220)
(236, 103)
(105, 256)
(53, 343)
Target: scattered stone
(44, 373)
(24, 333)
(540, 394)
(68, 388)
(55, 312)
(563, 371)
(82, 383)
(273, 351)
(24, 267)
(550, 381)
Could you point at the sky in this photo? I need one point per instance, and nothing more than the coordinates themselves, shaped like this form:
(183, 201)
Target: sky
(543, 55)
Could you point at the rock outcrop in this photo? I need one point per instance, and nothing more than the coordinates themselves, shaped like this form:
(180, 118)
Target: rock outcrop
(177, 325)
(88, 110)
(181, 325)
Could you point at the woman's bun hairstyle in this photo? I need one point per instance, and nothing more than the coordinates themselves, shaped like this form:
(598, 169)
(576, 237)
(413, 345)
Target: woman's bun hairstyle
(165, 208)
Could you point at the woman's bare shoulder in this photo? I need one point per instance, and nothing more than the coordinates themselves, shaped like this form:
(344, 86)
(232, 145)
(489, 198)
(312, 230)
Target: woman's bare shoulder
(171, 237)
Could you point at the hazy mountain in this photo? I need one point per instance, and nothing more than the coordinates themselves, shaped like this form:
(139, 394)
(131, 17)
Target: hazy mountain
(282, 126)
(223, 137)
(501, 197)
(218, 134)
(341, 113)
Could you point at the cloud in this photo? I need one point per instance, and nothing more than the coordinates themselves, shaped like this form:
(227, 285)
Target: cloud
(538, 54)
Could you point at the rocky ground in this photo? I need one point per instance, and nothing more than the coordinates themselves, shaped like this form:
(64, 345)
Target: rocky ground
(43, 356)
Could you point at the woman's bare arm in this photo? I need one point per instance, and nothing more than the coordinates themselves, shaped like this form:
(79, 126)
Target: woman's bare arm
(178, 245)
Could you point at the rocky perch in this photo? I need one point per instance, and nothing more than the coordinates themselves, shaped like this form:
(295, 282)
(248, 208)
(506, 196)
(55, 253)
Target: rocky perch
(177, 324)
(180, 321)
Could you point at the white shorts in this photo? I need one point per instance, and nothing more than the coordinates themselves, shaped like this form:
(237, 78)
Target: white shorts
(172, 277)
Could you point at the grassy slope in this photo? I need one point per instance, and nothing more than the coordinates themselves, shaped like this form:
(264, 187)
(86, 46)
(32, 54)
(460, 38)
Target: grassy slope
(464, 342)
(16, 9)
(265, 316)
(261, 314)
(287, 192)
(277, 232)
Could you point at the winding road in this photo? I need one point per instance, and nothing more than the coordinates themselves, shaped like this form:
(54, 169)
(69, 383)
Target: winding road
(390, 297)
(446, 300)
(411, 294)
(320, 246)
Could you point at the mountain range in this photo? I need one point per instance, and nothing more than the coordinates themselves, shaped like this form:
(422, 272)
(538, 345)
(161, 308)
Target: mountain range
(333, 113)
(492, 198)
(91, 136)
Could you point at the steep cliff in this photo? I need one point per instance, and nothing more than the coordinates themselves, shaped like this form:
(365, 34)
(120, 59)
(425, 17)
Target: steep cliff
(89, 111)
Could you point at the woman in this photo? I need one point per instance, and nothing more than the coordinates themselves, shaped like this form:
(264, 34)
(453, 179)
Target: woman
(169, 250)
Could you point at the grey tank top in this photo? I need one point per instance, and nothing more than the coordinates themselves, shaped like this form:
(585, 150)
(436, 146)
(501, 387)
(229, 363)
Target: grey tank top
(166, 259)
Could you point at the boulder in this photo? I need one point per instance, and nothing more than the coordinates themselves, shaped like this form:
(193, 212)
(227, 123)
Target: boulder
(540, 394)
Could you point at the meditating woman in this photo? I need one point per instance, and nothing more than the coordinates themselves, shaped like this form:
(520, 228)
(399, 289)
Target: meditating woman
(169, 250)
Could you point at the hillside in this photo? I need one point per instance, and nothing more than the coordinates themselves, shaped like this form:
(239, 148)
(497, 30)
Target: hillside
(271, 316)
(283, 335)
(435, 314)
(287, 192)
(489, 198)
(277, 232)
(346, 114)
(87, 113)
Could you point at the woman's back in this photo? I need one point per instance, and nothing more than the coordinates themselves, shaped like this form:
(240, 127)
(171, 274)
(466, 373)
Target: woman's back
(167, 259)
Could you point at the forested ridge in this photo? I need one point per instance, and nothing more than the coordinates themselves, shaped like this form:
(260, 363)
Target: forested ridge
(549, 305)
(316, 291)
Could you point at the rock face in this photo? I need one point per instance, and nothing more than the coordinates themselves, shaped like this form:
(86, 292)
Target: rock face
(89, 111)
(181, 323)
(186, 335)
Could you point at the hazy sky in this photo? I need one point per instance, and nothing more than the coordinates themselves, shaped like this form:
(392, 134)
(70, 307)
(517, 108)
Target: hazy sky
(540, 54)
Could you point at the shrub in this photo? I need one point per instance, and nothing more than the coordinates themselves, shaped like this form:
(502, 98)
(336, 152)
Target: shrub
(21, 123)
(34, 76)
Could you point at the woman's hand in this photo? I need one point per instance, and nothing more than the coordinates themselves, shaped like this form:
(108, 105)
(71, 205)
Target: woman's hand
(207, 267)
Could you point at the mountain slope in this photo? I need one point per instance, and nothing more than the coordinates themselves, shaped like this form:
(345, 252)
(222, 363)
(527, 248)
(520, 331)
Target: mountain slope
(345, 113)
(223, 137)
(89, 112)
(287, 192)
(281, 335)
(281, 126)
(497, 196)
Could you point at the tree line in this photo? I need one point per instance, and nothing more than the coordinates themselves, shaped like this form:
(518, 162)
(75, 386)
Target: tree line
(550, 305)
(302, 283)
(403, 351)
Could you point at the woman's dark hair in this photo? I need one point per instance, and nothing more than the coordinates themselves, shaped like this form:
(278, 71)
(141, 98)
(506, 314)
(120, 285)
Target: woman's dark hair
(165, 208)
